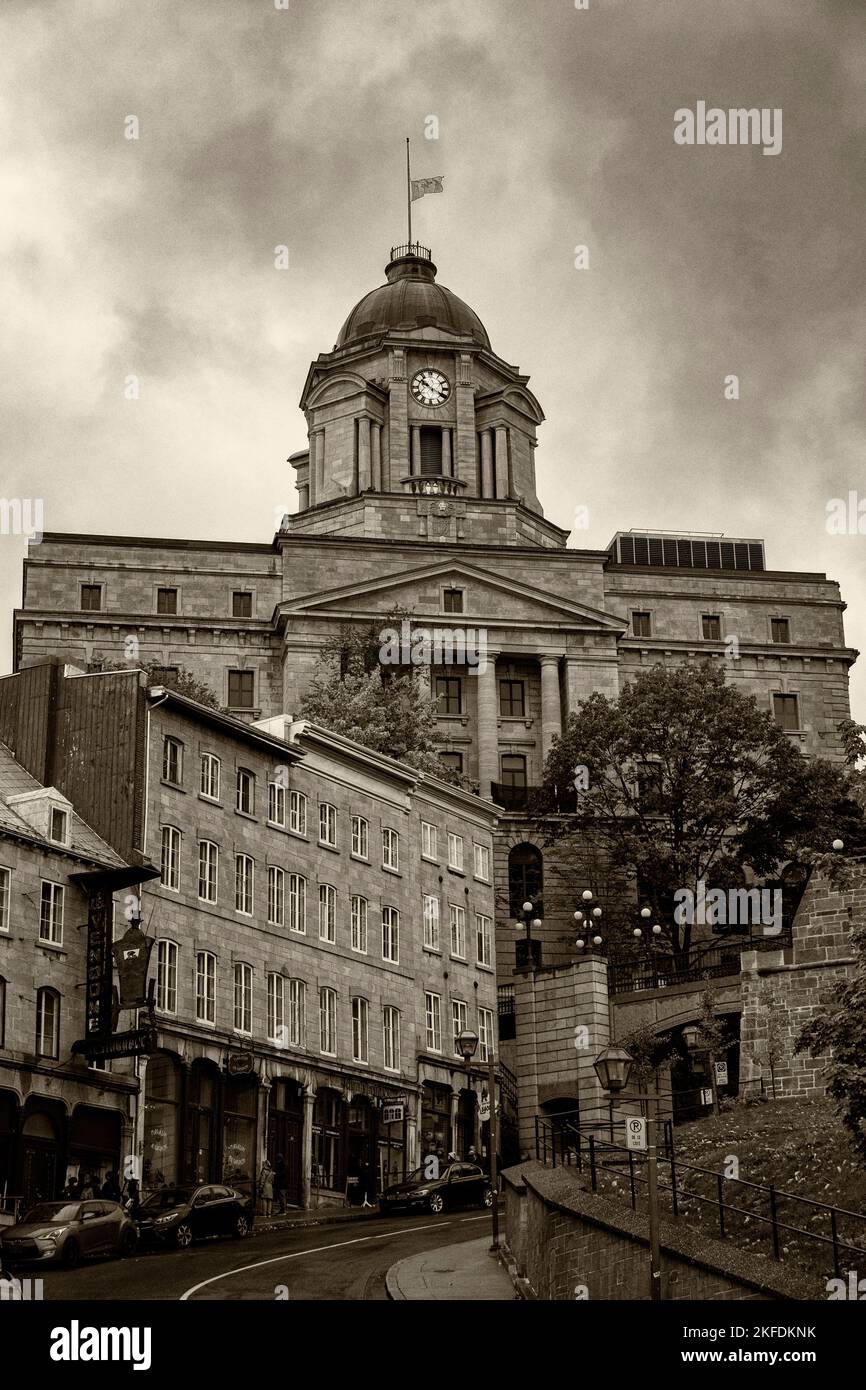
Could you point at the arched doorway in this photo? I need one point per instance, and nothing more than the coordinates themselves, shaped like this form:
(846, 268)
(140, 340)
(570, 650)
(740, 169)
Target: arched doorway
(94, 1143)
(161, 1121)
(285, 1126)
(41, 1179)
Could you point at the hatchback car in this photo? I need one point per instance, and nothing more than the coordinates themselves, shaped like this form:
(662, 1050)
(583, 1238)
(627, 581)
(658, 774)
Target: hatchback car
(458, 1185)
(67, 1231)
(180, 1215)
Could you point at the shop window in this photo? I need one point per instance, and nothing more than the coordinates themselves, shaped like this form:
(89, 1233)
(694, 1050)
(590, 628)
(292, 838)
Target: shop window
(200, 1123)
(161, 1122)
(327, 1139)
(239, 1132)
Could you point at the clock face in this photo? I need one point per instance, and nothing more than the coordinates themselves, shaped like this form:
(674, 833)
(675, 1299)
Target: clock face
(430, 387)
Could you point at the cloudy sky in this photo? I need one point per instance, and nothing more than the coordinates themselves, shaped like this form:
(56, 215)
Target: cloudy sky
(260, 127)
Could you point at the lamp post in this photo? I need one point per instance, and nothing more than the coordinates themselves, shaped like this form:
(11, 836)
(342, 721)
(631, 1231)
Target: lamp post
(531, 950)
(692, 1039)
(587, 921)
(467, 1041)
(613, 1067)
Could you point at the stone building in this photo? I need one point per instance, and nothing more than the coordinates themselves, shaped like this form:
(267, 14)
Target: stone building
(418, 491)
(323, 928)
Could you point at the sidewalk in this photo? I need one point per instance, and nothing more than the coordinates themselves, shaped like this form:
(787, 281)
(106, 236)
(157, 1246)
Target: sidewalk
(465, 1272)
(325, 1216)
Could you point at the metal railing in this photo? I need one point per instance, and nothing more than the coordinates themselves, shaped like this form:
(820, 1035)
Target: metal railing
(631, 973)
(584, 1147)
(411, 248)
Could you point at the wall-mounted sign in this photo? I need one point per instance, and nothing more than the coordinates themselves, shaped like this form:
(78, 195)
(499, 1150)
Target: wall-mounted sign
(707, 1095)
(721, 1073)
(132, 957)
(239, 1063)
(138, 1042)
(98, 1006)
(635, 1133)
(392, 1114)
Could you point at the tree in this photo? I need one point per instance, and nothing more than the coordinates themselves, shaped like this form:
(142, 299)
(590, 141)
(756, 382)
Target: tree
(176, 678)
(839, 1030)
(382, 707)
(684, 780)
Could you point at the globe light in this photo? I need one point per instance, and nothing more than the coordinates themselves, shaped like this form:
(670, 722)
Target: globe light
(646, 912)
(536, 923)
(657, 931)
(580, 943)
(586, 894)
(596, 912)
(596, 941)
(637, 932)
(838, 844)
(527, 907)
(578, 916)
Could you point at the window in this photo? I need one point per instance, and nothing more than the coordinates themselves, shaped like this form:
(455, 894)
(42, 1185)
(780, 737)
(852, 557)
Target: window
(453, 762)
(360, 837)
(430, 441)
(360, 1030)
(452, 600)
(205, 987)
(244, 873)
(5, 897)
(390, 850)
(276, 1008)
(328, 1021)
(208, 860)
(327, 824)
(327, 912)
(391, 934)
(449, 690)
(786, 712)
(781, 629)
(513, 770)
(242, 603)
(298, 813)
(166, 976)
(458, 931)
(455, 851)
(359, 924)
(481, 856)
(276, 803)
(640, 624)
(391, 1037)
(51, 914)
(650, 787)
(2, 1012)
(166, 600)
(483, 939)
(458, 1022)
(210, 777)
(433, 1015)
(172, 761)
(242, 689)
(711, 627)
(170, 858)
(512, 699)
(485, 1034)
(91, 598)
(297, 903)
(276, 896)
(59, 825)
(164, 675)
(47, 1023)
(429, 840)
(525, 878)
(245, 799)
(431, 922)
(243, 1011)
(297, 1012)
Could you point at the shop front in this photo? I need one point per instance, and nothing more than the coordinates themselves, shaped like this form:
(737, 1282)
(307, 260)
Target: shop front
(435, 1120)
(201, 1123)
(8, 1131)
(285, 1134)
(162, 1122)
(95, 1137)
(240, 1107)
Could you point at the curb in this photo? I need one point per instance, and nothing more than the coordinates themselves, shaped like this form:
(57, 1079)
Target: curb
(392, 1282)
(266, 1226)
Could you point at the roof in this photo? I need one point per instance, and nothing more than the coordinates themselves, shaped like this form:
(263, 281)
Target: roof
(411, 299)
(84, 841)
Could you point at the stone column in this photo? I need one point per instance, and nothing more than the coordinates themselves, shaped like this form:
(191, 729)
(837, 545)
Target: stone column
(263, 1108)
(412, 1156)
(416, 451)
(446, 452)
(486, 463)
(502, 488)
(425, 681)
(307, 1148)
(551, 705)
(317, 442)
(488, 732)
(455, 1108)
(303, 497)
(363, 453)
(376, 456)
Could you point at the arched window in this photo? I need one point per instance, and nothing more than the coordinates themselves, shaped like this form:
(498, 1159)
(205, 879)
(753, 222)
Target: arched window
(525, 879)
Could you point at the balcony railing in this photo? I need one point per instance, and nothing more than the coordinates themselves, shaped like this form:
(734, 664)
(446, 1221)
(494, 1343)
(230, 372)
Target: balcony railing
(432, 485)
(630, 974)
(411, 248)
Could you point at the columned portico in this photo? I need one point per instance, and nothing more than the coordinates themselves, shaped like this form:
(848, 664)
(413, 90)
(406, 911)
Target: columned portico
(488, 731)
(551, 704)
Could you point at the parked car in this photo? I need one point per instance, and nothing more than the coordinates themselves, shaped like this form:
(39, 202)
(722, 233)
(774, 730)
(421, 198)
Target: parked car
(458, 1185)
(10, 1287)
(65, 1232)
(180, 1215)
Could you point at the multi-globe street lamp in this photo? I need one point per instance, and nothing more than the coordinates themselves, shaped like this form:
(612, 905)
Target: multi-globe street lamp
(467, 1042)
(587, 921)
(529, 952)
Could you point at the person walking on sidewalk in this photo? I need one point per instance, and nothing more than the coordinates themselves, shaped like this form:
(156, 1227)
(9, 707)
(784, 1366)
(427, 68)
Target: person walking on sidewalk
(266, 1188)
(280, 1178)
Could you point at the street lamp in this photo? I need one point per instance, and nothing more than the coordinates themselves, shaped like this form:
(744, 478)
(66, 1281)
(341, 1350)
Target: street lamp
(693, 1039)
(467, 1041)
(531, 950)
(612, 1067)
(588, 922)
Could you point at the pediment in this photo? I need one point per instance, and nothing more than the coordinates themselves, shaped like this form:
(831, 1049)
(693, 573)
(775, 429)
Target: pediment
(490, 598)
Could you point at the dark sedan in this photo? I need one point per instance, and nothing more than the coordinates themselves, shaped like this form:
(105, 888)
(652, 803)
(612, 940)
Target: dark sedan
(180, 1215)
(458, 1185)
(65, 1232)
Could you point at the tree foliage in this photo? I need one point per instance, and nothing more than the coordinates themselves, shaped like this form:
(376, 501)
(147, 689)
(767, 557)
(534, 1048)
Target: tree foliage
(179, 679)
(839, 1029)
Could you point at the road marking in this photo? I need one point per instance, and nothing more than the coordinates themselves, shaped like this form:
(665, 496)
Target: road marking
(298, 1254)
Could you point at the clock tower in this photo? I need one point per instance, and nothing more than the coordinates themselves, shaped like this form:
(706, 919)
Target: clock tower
(416, 427)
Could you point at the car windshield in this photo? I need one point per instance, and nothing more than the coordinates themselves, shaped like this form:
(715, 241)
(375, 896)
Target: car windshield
(168, 1197)
(56, 1213)
(424, 1175)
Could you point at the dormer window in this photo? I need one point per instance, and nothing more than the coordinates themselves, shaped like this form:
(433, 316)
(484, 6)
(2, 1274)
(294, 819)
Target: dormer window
(59, 832)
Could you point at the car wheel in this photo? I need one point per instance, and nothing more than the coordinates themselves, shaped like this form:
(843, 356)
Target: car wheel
(436, 1203)
(242, 1226)
(487, 1199)
(129, 1241)
(71, 1254)
(183, 1235)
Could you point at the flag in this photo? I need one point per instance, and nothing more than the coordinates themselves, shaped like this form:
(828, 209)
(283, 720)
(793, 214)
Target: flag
(422, 186)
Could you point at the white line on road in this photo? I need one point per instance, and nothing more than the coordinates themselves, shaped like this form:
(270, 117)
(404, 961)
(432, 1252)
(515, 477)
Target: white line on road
(299, 1254)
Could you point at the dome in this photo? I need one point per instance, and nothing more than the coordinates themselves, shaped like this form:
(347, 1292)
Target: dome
(409, 299)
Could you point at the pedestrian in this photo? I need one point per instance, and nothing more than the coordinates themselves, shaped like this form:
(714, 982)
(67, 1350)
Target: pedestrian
(71, 1190)
(266, 1187)
(365, 1182)
(131, 1200)
(88, 1191)
(280, 1181)
(472, 1156)
(110, 1188)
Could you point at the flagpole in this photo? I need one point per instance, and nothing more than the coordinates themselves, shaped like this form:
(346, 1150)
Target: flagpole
(408, 193)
